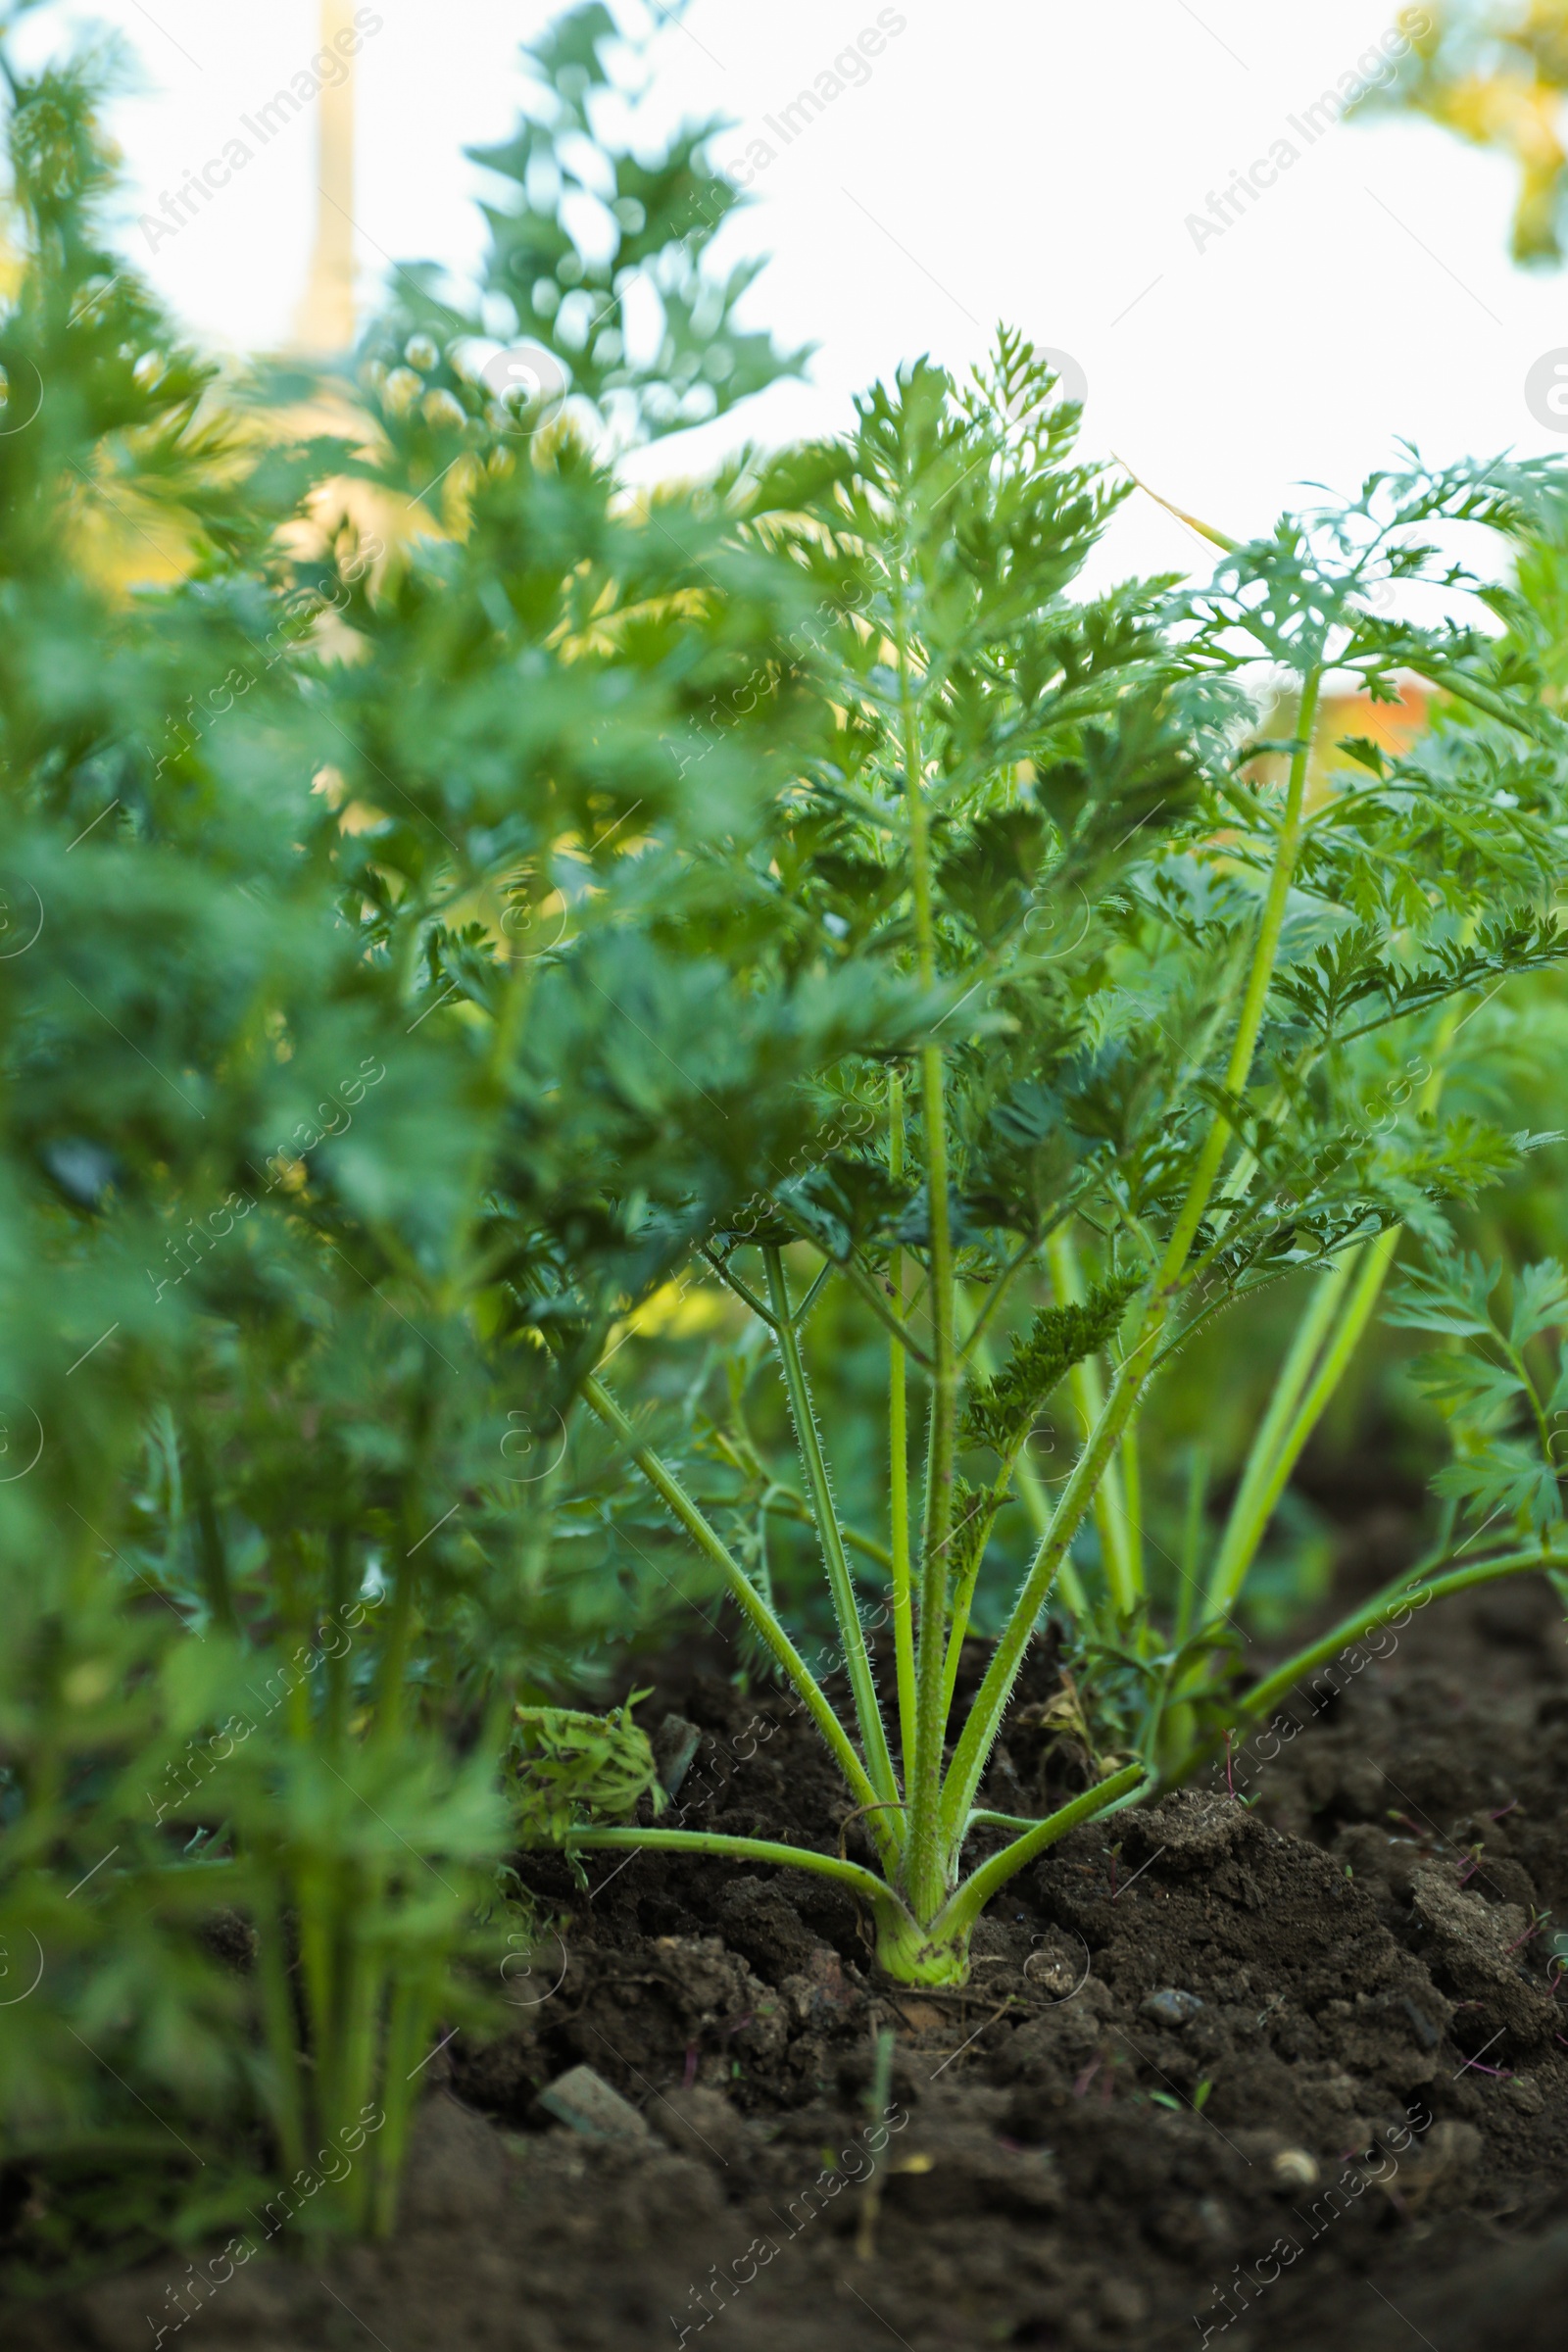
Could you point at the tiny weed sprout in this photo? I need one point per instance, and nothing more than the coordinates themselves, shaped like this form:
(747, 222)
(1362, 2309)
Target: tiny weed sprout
(580, 1058)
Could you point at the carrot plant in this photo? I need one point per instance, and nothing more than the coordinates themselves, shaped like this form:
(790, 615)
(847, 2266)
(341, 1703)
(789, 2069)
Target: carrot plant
(356, 909)
(1205, 1018)
(452, 903)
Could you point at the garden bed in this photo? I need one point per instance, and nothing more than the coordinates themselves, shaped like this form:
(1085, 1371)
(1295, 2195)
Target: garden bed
(1381, 2153)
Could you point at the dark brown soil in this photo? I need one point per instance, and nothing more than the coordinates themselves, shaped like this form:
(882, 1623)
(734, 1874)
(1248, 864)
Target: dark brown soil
(1356, 2136)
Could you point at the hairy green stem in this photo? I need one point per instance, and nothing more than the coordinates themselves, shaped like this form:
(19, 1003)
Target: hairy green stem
(1413, 1593)
(787, 1505)
(1012, 1466)
(744, 1850)
(278, 2010)
(750, 1604)
(898, 1459)
(1292, 1416)
(1037, 1502)
(991, 1700)
(846, 1609)
(742, 1290)
(866, 1285)
(1255, 999)
(1230, 1570)
(1188, 1587)
(985, 1506)
(1088, 1390)
(1129, 1463)
(985, 1716)
(409, 2014)
(216, 1588)
(966, 1905)
(1244, 1527)
(925, 1873)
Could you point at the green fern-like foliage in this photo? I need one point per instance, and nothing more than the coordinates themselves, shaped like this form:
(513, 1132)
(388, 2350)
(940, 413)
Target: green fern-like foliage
(999, 1412)
(368, 964)
(570, 1769)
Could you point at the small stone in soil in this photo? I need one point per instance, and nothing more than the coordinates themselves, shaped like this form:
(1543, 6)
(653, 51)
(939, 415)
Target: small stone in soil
(586, 2101)
(1171, 2007)
(1426, 2033)
(1293, 2169)
(674, 1744)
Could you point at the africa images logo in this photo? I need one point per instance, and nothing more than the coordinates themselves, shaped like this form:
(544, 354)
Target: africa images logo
(1373, 69)
(1547, 390)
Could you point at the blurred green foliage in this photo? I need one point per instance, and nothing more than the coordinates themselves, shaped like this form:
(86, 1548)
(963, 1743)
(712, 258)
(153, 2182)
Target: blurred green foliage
(385, 1006)
(1494, 71)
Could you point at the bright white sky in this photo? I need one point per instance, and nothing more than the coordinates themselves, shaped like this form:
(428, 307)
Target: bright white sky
(1019, 158)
